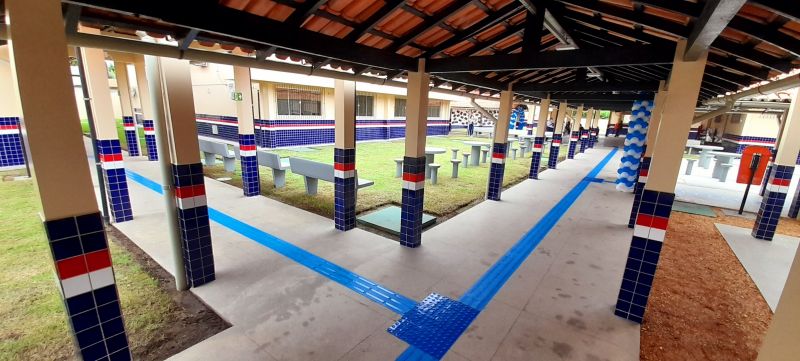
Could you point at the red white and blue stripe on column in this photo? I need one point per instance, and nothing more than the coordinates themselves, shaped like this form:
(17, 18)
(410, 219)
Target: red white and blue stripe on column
(412, 202)
(536, 158)
(86, 278)
(555, 146)
(110, 153)
(584, 140)
(11, 152)
(251, 182)
(772, 203)
(190, 199)
(496, 171)
(130, 136)
(640, 268)
(344, 171)
(150, 139)
(638, 188)
(573, 144)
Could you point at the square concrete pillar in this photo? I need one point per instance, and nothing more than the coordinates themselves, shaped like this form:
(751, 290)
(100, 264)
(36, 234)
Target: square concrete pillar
(414, 160)
(644, 164)
(659, 193)
(555, 145)
(538, 140)
(76, 238)
(147, 110)
(344, 156)
(251, 181)
(126, 105)
(499, 148)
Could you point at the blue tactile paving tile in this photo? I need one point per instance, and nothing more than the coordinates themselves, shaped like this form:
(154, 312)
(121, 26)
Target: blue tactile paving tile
(377, 293)
(434, 324)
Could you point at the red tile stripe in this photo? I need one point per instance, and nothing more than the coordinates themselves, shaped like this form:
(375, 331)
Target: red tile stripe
(643, 172)
(414, 177)
(498, 155)
(344, 166)
(539, 146)
(111, 157)
(8, 127)
(652, 221)
(190, 191)
(781, 182)
(247, 147)
(83, 264)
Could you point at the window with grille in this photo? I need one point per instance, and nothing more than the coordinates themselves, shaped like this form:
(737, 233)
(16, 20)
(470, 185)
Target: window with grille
(434, 108)
(298, 101)
(400, 107)
(365, 105)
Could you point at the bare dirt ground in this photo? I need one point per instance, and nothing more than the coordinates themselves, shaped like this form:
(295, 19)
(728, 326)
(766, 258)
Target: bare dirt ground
(704, 306)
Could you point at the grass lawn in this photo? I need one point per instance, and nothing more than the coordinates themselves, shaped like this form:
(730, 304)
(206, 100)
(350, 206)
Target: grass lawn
(375, 161)
(33, 322)
(121, 134)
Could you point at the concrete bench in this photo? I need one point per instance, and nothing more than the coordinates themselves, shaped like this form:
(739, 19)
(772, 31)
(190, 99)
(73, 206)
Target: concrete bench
(314, 171)
(689, 166)
(398, 167)
(484, 155)
(465, 155)
(278, 165)
(723, 172)
(455, 163)
(434, 172)
(514, 153)
(213, 149)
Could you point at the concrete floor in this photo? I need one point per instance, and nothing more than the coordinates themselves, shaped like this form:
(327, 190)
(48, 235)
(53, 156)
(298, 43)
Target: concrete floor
(767, 262)
(558, 305)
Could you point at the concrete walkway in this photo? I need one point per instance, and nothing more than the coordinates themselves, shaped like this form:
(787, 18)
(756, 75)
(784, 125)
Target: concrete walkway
(558, 305)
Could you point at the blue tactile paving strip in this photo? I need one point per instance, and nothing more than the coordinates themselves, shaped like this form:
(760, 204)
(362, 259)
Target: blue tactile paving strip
(434, 324)
(379, 294)
(479, 295)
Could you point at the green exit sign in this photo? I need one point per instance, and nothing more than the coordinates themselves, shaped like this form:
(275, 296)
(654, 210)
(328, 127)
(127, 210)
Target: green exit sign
(236, 96)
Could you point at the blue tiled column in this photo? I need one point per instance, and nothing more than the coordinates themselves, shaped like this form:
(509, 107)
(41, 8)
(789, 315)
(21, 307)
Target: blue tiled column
(110, 154)
(573, 143)
(772, 203)
(88, 288)
(593, 136)
(794, 209)
(640, 268)
(536, 158)
(11, 152)
(638, 188)
(413, 196)
(767, 174)
(344, 169)
(150, 139)
(555, 146)
(130, 136)
(496, 171)
(584, 140)
(193, 223)
(251, 182)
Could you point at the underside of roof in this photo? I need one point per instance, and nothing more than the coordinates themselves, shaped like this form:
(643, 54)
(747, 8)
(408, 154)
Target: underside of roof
(602, 53)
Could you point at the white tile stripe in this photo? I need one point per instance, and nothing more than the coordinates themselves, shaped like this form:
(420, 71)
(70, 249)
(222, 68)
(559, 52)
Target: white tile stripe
(650, 233)
(247, 153)
(498, 160)
(537, 150)
(9, 131)
(414, 186)
(113, 165)
(149, 132)
(190, 202)
(78, 285)
(130, 128)
(344, 173)
(777, 189)
(642, 179)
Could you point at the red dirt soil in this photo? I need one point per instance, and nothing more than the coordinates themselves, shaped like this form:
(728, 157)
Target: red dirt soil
(703, 305)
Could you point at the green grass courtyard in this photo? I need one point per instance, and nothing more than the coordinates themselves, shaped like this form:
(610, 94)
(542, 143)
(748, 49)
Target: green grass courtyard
(375, 161)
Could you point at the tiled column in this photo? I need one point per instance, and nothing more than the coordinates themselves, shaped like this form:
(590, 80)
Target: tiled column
(574, 135)
(187, 171)
(147, 111)
(74, 227)
(555, 145)
(11, 155)
(414, 160)
(251, 182)
(538, 141)
(634, 145)
(782, 169)
(584, 135)
(344, 157)
(108, 146)
(128, 121)
(644, 166)
(594, 129)
(659, 193)
(499, 150)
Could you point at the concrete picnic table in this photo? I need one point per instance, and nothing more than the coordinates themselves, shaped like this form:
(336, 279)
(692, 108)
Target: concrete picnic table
(528, 139)
(429, 158)
(705, 154)
(723, 158)
(476, 151)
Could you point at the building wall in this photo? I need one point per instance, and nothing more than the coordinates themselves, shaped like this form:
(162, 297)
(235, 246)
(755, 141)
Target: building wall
(9, 102)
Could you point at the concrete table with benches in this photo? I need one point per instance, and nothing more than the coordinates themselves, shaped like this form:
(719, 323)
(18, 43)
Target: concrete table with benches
(725, 160)
(212, 149)
(278, 165)
(476, 151)
(430, 152)
(314, 171)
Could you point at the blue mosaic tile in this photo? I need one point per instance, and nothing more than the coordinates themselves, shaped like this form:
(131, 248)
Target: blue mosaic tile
(496, 171)
(536, 158)
(434, 324)
(110, 153)
(573, 144)
(131, 136)
(345, 184)
(150, 140)
(11, 150)
(555, 146)
(193, 223)
(638, 188)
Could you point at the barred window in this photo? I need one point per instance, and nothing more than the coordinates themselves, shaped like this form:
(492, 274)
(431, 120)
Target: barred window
(400, 107)
(365, 105)
(434, 108)
(298, 101)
